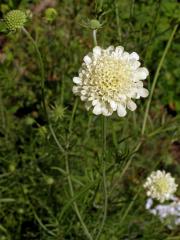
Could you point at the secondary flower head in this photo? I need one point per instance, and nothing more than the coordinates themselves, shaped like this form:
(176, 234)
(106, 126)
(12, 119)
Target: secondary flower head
(109, 79)
(15, 19)
(160, 185)
(169, 213)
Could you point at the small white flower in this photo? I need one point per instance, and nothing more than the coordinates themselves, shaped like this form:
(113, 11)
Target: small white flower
(167, 213)
(149, 203)
(160, 185)
(109, 79)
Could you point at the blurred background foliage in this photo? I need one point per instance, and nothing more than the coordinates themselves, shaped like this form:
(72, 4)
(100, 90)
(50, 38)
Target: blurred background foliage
(34, 196)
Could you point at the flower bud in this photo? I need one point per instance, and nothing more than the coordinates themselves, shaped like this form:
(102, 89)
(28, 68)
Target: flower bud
(49, 180)
(95, 24)
(15, 19)
(12, 167)
(50, 14)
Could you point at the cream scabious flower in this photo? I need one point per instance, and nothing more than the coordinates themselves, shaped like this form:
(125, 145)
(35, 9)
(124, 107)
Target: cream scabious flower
(160, 185)
(109, 79)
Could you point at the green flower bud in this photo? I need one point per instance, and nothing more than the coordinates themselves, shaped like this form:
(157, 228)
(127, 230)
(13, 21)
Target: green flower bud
(95, 24)
(12, 167)
(21, 211)
(49, 180)
(15, 19)
(58, 113)
(50, 14)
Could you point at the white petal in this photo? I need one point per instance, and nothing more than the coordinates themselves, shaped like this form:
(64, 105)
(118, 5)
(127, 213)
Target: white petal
(97, 51)
(122, 97)
(95, 102)
(75, 89)
(105, 111)
(132, 93)
(97, 109)
(83, 92)
(141, 73)
(113, 105)
(88, 105)
(125, 56)
(134, 64)
(149, 203)
(143, 92)
(121, 111)
(119, 50)
(83, 98)
(87, 60)
(131, 105)
(110, 49)
(76, 80)
(134, 55)
(139, 84)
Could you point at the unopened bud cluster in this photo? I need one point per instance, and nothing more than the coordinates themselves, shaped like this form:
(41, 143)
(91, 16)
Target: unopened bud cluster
(15, 19)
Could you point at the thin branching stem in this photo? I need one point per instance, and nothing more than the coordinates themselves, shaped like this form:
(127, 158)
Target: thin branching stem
(41, 65)
(76, 209)
(156, 77)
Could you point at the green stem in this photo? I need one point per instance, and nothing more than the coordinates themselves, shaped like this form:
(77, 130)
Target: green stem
(156, 77)
(103, 162)
(90, 118)
(94, 37)
(118, 22)
(104, 128)
(129, 207)
(2, 114)
(72, 116)
(76, 209)
(86, 231)
(41, 66)
(56, 139)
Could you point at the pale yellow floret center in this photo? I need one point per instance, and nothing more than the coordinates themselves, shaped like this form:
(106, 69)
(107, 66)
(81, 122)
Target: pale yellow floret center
(162, 186)
(111, 75)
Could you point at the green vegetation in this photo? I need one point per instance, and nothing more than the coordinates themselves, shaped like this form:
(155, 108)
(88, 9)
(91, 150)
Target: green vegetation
(36, 201)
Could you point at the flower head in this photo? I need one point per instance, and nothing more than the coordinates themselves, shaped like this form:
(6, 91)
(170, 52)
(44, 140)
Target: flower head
(95, 24)
(15, 19)
(160, 185)
(169, 213)
(50, 14)
(109, 79)
(58, 112)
